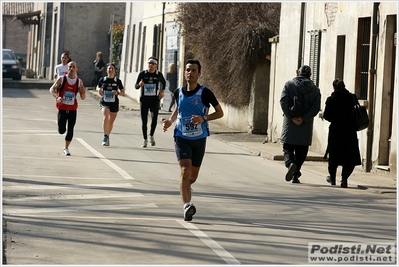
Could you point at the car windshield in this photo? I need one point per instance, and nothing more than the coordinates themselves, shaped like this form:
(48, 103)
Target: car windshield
(8, 55)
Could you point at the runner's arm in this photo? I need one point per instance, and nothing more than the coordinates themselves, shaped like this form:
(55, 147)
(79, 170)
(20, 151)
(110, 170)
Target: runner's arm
(82, 90)
(54, 88)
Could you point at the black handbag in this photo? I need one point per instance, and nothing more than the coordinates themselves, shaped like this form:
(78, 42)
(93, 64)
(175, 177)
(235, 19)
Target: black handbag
(359, 115)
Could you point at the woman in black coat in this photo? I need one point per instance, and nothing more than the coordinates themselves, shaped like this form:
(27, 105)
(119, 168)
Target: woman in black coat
(343, 147)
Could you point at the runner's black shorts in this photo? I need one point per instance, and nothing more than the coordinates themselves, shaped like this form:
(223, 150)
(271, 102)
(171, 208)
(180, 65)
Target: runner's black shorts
(190, 149)
(113, 107)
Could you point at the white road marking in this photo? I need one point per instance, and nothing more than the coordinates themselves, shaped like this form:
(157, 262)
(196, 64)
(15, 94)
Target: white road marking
(218, 249)
(71, 197)
(111, 164)
(26, 119)
(51, 186)
(42, 120)
(7, 211)
(29, 131)
(32, 145)
(49, 134)
(58, 177)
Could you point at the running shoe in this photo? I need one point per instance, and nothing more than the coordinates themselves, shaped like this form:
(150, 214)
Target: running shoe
(189, 212)
(105, 141)
(66, 152)
(152, 140)
(145, 141)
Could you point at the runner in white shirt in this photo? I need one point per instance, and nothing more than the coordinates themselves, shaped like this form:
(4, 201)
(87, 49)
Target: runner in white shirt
(62, 68)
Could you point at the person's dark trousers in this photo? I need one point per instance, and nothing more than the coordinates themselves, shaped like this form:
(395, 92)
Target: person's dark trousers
(96, 78)
(153, 107)
(346, 171)
(99, 75)
(295, 154)
(67, 118)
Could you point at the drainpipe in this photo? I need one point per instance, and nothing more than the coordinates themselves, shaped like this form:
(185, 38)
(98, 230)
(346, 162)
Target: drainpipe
(61, 33)
(163, 34)
(301, 34)
(269, 137)
(111, 38)
(371, 86)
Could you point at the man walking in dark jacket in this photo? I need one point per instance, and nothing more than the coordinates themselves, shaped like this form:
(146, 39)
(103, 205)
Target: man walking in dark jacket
(300, 102)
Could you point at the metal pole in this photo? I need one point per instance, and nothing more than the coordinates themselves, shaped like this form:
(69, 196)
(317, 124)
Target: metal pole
(371, 87)
(301, 36)
(112, 36)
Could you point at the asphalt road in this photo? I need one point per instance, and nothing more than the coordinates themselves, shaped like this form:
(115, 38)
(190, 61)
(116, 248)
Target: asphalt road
(120, 205)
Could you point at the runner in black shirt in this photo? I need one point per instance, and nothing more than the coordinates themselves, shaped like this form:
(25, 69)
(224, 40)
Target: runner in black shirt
(109, 104)
(152, 84)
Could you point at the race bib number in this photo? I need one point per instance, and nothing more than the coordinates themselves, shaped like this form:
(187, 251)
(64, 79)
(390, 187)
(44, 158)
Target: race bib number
(150, 89)
(109, 96)
(68, 98)
(189, 129)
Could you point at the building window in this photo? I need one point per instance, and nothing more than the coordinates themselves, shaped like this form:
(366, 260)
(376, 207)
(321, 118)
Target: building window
(138, 49)
(156, 45)
(340, 57)
(143, 47)
(132, 47)
(314, 55)
(126, 61)
(362, 57)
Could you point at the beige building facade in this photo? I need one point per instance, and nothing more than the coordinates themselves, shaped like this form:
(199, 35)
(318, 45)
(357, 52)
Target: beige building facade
(335, 39)
(355, 41)
(151, 29)
(82, 29)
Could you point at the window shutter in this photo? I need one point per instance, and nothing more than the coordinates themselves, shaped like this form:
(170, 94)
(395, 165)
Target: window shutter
(314, 55)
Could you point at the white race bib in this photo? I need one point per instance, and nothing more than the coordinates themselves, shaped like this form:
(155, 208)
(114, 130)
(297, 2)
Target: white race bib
(68, 98)
(109, 96)
(150, 89)
(190, 129)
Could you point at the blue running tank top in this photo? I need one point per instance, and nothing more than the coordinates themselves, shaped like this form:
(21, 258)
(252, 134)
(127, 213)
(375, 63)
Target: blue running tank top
(188, 106)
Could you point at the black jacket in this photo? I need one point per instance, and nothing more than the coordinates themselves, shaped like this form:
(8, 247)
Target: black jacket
(302, 134)
(343, 147)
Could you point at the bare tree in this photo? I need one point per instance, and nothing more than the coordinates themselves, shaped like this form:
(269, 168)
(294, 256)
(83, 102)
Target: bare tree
(230, 40)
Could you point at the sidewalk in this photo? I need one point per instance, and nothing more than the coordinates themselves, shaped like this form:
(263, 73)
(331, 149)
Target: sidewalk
(257, 145)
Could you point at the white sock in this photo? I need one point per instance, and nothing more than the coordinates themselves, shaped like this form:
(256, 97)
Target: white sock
(186, 204)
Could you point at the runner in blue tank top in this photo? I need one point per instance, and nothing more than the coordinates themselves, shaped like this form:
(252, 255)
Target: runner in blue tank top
(191, 130)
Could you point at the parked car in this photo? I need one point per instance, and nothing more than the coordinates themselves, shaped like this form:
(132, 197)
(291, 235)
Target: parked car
(11, 65)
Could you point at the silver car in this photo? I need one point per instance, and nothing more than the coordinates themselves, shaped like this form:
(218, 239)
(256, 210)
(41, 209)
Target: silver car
(11, 65)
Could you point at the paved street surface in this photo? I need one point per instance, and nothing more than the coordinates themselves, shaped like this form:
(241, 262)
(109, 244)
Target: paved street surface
(120, 205)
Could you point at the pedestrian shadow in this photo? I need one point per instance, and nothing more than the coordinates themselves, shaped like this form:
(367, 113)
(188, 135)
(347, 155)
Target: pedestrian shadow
(149, 148)
(172, 150)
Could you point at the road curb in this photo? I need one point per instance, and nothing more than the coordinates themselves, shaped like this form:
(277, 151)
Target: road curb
(377, 190)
